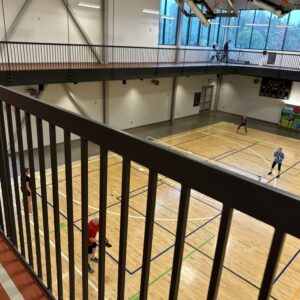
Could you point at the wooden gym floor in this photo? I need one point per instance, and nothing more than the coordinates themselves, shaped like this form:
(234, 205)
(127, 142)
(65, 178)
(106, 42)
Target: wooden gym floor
(250, 155)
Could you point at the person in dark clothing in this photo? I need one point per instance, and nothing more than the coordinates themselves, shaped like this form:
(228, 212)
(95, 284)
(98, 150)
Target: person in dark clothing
(226, 50)
(28, 190)
(243, 123)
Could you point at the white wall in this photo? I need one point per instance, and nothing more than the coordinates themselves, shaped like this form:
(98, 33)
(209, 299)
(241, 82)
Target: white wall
(185, 90)
(132, 26)
(139, 102)
(240, 95)
(89, 95)
(46, 21)
(295, 94)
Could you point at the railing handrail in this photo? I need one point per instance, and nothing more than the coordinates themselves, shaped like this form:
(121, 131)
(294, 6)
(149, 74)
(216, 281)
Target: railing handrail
(274, 207)
(165, 47)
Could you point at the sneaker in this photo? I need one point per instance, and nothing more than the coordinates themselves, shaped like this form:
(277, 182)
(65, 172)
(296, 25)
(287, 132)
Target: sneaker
(269, 173)
(95, 259)
(90, 270)
(108, 244)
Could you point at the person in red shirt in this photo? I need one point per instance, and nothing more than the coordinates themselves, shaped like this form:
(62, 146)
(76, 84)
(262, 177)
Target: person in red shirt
(93, 229)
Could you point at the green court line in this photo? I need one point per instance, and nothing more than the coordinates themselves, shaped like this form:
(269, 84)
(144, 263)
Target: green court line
(137, 295)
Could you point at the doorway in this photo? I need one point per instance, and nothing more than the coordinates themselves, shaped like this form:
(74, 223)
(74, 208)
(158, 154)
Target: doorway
(206, 98)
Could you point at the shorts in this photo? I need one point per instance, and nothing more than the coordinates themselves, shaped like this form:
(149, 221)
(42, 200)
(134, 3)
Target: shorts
(274, 164)
(91, 247)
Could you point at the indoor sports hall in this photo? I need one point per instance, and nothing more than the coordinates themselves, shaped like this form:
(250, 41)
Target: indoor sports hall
(150, 149)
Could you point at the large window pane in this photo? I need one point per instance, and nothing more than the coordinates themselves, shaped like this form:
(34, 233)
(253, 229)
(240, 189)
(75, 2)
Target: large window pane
(277, 32)
(171, 24)
(232, 31)
(292, 38)
(184, 30)
(161, 21)
(260, 29)
(222, 32)
(213, 32)
(193, 31)
(203, 36)
(244, 30)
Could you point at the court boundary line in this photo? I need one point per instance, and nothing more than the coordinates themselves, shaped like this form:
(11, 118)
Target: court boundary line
(173, 234)
(134, 297)
(198, 156)
(78, 228)
(230, 270)
(286, 266)
(284, 171)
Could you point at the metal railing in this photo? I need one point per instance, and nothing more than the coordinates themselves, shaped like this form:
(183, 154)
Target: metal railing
(265, 203)
(23, 56)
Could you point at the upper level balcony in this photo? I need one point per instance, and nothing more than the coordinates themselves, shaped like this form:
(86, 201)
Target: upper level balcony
(39, 63)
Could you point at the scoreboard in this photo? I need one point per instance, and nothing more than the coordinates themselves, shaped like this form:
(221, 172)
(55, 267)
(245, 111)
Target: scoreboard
(275, 88)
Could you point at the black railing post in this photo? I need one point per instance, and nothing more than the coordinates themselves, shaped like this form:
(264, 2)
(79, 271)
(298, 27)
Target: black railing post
(23, 184)
(123, 227)
(6, 180)
(102, 218)
(179, 243)
(55, 192)
(148, 236)
(33, 194)
(39, 126)
(224, 229)
(84, 216)
(69, 190)
(272, 263)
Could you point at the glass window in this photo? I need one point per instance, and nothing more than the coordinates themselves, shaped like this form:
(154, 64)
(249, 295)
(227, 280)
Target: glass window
(277, 32)
(232, 31)
(260, 29)
(170, 25)
(193, 31)
(161, 21)
(292, 38)
(222, 32)
(184, 30)
(244, 30)
(203, 35)
(253, 29)
(213, 32)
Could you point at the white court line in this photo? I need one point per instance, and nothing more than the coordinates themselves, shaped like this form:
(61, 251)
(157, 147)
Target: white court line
(9, 286)
(263, 141)
(135, 217)
(194, 154)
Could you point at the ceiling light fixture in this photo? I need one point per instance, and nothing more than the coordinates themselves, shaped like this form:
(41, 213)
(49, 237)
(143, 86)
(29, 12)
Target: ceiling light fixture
(231, 26)
(285, 26)
(89, 5)
(255, 24)
(150, 11)
(168, 17)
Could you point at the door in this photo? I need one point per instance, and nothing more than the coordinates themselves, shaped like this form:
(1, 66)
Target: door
(206, 99)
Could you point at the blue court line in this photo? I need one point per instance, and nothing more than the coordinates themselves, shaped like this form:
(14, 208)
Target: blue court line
(164, 251)
(78, 228)
(287, 265)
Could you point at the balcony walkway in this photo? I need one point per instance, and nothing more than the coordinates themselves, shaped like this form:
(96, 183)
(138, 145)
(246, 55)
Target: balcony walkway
(16, 281)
